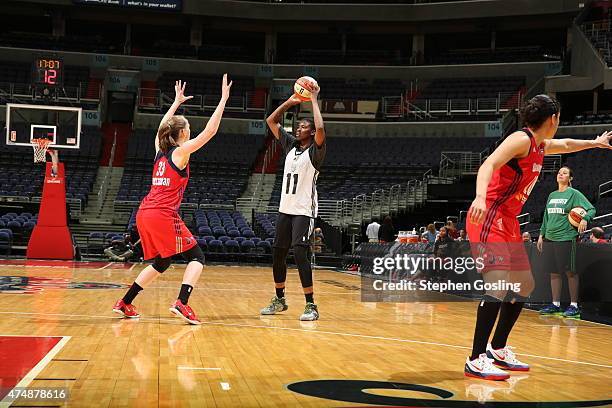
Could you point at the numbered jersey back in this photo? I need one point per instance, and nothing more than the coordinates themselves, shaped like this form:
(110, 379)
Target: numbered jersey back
(167, 185)
(511, 185)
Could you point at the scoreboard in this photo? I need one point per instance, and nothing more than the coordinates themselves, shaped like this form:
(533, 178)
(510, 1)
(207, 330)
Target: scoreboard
(48, 71)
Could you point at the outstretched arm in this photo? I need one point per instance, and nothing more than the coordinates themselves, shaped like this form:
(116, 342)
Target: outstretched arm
(181, 154)
(563, 146)
(274, 120)
(318, 118)
(179, 98)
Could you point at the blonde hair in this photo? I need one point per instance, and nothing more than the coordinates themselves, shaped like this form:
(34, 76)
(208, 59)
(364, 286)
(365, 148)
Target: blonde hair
(170, 131)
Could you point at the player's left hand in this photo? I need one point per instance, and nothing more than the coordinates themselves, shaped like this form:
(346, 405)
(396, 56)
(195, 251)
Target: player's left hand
(582, 226)
(314, 92)
(603, 141)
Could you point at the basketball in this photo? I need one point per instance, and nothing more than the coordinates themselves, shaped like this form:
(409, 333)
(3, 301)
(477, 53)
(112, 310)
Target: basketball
(303, 86)
(576, 215)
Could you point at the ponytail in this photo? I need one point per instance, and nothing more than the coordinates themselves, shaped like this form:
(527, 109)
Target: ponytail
(169, 132)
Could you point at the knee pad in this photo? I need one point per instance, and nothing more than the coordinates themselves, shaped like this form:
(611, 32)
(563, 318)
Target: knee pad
(161, 264)
(194, 254)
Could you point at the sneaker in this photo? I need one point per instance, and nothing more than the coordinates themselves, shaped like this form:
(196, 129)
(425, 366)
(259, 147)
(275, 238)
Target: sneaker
(310, 312)
(276, 305)
(483, 368)
(184, 312)
(506, 359)
(125, 310)
(551, 310)
(572, 312)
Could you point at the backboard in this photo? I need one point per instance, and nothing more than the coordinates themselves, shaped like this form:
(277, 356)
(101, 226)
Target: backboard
(61, 124)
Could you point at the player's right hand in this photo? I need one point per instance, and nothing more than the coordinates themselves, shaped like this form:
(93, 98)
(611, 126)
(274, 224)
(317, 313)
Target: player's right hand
(477, 210)
(179, 92)
(540, 243)
(294, 100)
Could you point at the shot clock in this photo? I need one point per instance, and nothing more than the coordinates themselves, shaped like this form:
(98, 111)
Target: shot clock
(48, 72)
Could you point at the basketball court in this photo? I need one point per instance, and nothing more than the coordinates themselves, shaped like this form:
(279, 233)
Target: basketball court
(60, 332)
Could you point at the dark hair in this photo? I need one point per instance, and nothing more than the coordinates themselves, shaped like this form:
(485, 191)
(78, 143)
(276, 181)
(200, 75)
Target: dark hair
(597, 232)
(309, 121)
(538, 109)
(169, 132)
(387, 221)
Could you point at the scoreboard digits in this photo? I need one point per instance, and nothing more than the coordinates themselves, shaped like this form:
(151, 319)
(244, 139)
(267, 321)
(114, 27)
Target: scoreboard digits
(48, 72)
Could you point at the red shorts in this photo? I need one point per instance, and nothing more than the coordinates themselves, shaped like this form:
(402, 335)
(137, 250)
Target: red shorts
(163, 233)
(498, 242)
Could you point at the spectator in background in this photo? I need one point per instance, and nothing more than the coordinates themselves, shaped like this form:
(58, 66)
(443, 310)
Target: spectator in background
(318, 241)
(386, 233)
(526, 237)
(430, 234)
(451, 230)
(462, 235)
(443, 246)
(597, 236)
(372, 231)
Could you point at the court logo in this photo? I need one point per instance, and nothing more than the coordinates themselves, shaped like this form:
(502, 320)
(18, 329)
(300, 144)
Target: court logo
(360, 392)
(34, 284)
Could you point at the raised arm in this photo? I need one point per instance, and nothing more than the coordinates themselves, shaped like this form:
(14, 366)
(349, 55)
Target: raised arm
(563, 146)
(274, 120)
(515, 145)
(182, 153)
(318, 118)
(179, 98)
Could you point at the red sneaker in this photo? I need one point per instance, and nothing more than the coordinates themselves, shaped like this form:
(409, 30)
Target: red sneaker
(184, 312)
(125, 310)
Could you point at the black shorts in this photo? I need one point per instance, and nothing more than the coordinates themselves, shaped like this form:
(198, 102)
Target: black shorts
(293, 230)
(559, 256)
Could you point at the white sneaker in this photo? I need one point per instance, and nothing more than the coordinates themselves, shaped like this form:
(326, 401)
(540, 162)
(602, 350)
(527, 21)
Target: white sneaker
(506, 359)
(483, 367)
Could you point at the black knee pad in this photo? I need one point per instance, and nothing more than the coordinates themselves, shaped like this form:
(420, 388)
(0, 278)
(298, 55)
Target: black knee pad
(194, 254)
(300, 253)
(161, 264)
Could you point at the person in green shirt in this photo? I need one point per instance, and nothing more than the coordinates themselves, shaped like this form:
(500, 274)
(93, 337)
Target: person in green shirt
(557, 241)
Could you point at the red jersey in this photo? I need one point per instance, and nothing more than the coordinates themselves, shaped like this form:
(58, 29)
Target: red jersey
(168, 184)
(511, 184)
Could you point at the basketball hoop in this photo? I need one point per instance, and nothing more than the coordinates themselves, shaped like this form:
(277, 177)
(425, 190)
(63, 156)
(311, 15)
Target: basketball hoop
(40, 147)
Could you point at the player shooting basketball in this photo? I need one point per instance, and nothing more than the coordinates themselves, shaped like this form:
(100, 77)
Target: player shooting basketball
(161, 229)
(305, 153)
(504, 183)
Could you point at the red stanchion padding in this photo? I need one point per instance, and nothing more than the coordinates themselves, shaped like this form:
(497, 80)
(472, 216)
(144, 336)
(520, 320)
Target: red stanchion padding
(51, 238)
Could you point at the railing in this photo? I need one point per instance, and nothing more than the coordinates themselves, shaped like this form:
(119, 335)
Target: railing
(156, 99)
(601, 217)
(454, 164)
(18, 92)
(395, 106)
(551, 163)
(380, 203)
(524, 219)
(604, 189)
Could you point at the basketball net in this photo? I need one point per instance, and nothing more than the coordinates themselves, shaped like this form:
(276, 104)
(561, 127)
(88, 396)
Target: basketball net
(40, 147)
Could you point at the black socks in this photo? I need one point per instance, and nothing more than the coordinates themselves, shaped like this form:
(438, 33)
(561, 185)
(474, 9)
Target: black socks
(485, 320)
(184, 293)
(280, 293)
(508, 315)
(131, 293)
